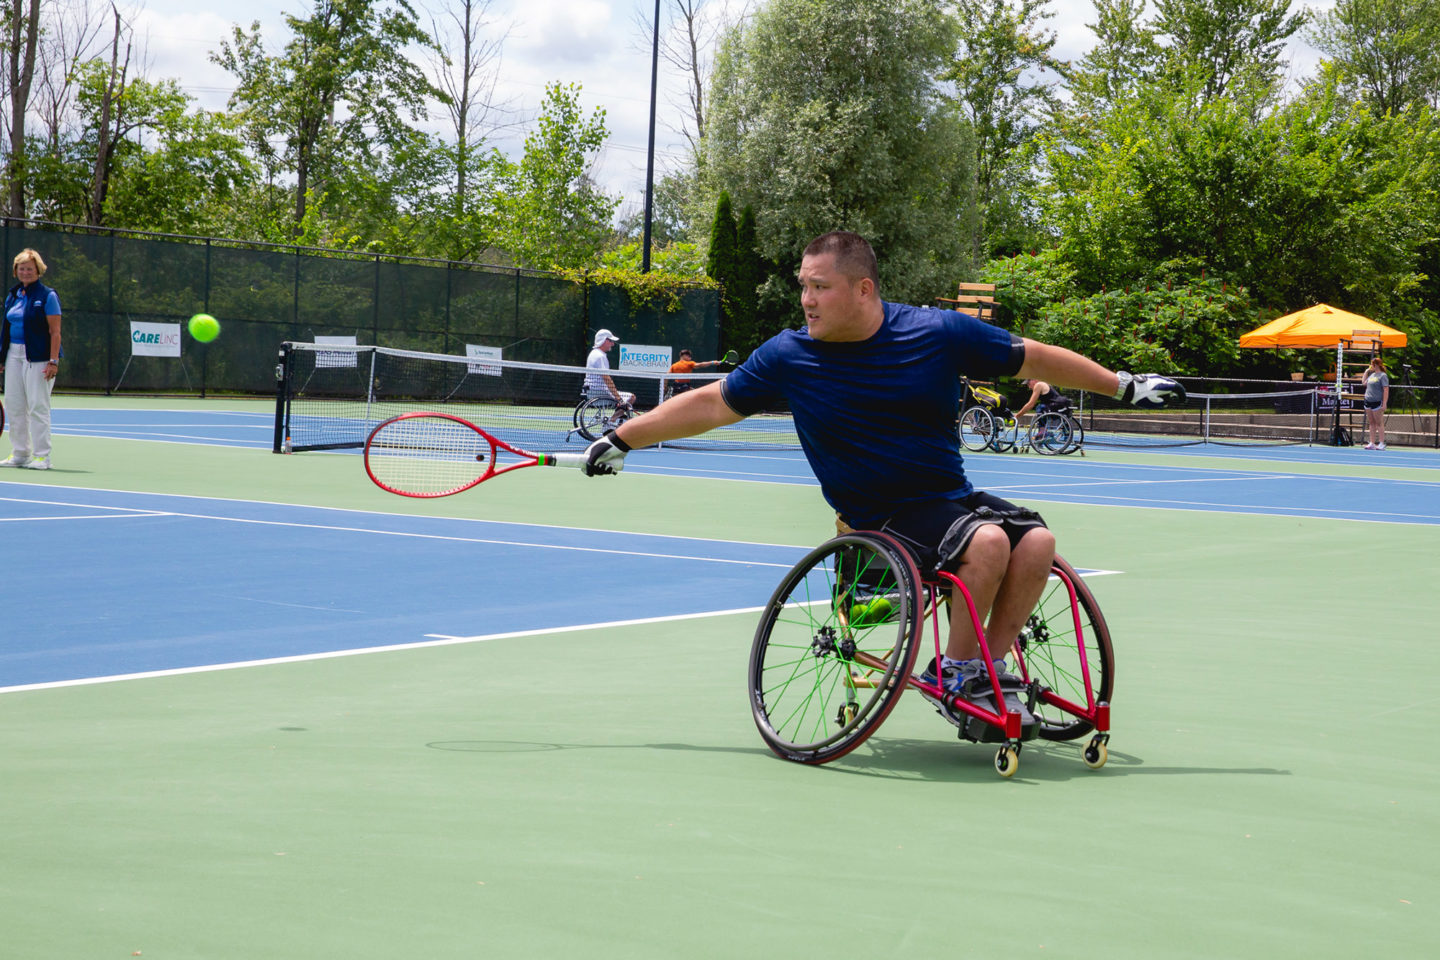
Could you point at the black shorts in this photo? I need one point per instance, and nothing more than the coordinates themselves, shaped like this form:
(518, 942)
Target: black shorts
(1373, 406)
(937, 532)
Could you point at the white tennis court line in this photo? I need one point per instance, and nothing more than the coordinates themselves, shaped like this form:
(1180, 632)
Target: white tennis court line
(93, 516)
(380, 513)
(433, 640)
(609, 551)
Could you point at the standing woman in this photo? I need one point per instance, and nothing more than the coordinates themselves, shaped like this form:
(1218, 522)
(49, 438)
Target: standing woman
(30, 353)
(1377, 398)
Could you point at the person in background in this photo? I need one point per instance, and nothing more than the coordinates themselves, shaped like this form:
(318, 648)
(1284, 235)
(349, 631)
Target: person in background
(30, 355)
(687, 364)
(600, 384)
(1043, 399)
(1377, 398)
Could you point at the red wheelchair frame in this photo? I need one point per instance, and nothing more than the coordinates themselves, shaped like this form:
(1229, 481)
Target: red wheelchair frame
(837, 645)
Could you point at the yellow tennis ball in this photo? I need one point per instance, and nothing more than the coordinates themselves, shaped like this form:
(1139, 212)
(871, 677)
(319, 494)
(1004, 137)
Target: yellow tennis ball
(204, 327)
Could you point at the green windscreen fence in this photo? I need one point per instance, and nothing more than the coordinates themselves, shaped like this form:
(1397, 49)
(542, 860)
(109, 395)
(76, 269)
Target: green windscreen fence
(264, 295)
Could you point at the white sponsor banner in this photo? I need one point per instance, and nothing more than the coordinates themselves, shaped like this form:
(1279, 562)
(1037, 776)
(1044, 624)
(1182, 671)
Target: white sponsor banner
(483, 353)
(640, 356)
(154, 339)
(335, 358)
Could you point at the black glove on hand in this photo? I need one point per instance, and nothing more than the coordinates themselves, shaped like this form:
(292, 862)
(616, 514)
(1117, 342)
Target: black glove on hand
(606, 456)
(1149, 390)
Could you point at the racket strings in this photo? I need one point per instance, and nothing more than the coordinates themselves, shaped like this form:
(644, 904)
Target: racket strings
(428, 455)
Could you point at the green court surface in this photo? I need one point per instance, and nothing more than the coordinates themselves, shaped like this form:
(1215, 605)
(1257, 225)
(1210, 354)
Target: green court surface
(604, 794)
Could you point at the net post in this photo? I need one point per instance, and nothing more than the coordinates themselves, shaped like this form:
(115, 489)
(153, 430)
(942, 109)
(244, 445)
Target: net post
(370, 386)
(282, 391)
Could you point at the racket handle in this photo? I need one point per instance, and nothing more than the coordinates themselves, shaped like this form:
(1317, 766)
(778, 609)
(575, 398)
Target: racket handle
(572, 460)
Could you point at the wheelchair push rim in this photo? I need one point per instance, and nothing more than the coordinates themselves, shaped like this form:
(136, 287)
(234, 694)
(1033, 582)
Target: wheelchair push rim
(835, 647)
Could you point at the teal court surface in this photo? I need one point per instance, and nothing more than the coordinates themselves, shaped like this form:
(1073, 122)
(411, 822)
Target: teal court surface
(253, 706)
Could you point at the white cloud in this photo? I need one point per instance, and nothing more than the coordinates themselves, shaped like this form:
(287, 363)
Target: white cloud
(565, 33)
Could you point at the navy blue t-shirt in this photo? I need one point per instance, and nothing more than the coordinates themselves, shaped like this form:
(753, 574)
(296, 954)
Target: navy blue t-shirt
(876, 418)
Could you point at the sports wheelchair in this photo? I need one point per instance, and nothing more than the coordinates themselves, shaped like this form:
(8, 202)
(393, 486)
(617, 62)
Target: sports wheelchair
(838, 640)
(595, 416)
(986, 421)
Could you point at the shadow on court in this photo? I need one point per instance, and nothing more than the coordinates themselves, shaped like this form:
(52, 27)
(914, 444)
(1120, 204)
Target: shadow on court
(909, 759)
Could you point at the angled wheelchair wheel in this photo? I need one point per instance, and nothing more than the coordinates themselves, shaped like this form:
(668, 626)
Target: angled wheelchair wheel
(1050, 433)
(1077, 436)
(598, 415)
(977, 428)
(835, 647)
(1052, 652)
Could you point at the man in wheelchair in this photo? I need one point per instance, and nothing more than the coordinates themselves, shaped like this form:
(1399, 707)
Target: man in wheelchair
(874, 387)
(1044, 399)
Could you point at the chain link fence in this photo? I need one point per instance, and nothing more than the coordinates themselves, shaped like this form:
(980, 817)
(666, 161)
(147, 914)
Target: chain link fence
(266, 294)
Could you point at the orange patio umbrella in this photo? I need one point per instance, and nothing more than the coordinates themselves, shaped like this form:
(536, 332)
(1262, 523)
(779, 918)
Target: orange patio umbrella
(1322, 326)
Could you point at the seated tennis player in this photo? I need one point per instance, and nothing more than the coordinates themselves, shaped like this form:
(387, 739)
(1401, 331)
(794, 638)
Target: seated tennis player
(1043, 399)
(874, 388)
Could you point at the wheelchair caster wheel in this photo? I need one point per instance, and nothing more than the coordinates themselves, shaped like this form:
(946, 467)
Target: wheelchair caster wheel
(846, 714)
(1007, 761)
(1096, 754)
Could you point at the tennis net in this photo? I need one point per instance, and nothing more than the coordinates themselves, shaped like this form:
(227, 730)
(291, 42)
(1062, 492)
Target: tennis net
(1239, 419)
(330, 396)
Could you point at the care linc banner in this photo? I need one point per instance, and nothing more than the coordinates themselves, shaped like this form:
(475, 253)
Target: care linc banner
(154, 339)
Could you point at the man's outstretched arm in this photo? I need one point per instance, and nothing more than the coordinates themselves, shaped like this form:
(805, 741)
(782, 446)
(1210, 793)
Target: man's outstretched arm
(684, 415)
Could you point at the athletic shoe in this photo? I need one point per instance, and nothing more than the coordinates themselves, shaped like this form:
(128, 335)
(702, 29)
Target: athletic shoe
(37, 463)
(970, 680)
(953, 673)
(1369, 446)
(1379, 446)
(13, 461)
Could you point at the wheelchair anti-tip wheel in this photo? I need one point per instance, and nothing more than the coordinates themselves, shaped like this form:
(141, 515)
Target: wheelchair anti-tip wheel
(835, 647)
(1052, 653)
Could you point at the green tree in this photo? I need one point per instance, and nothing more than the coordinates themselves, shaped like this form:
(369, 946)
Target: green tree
(1320, 200)
(340, 95)
(720, 265)
(22, 35)
(1386, 51)
(551, 215)
(1004, 76)
(720, 260)
(669, 217)
(1226, 44)
(826, 116)
(1123, 58)
(749, 274)
(164, 166)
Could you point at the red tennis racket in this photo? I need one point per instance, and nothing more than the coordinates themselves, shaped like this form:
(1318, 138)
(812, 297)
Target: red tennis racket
(436, 454)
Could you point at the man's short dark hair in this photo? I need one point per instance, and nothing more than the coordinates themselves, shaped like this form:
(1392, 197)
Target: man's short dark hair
(685, 351)
(853, 254)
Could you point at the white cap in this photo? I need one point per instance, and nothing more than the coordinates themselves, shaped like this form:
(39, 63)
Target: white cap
(602, 335)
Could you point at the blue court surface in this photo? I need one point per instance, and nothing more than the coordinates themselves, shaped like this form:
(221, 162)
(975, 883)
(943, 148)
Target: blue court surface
(136, 568)
(136, 565)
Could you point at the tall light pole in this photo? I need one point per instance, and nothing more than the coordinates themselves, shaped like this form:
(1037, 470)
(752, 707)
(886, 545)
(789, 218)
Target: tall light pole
(650, 155)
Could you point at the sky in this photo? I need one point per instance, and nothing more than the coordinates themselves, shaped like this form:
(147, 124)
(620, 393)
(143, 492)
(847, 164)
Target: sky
(595, 43)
